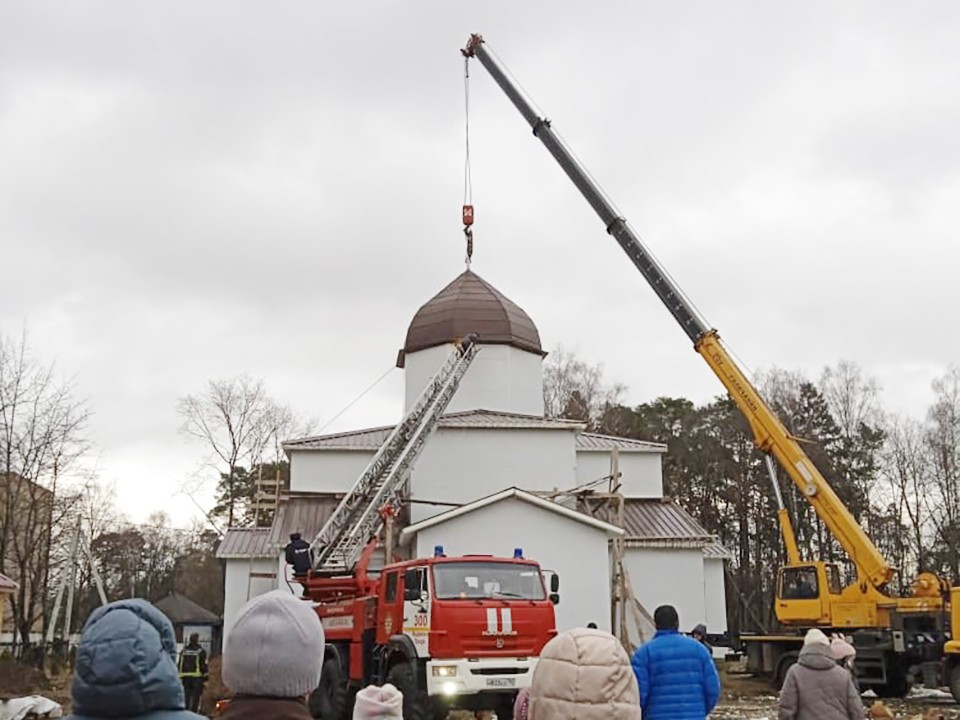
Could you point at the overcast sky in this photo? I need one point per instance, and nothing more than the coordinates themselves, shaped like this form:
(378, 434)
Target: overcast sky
(193, 190)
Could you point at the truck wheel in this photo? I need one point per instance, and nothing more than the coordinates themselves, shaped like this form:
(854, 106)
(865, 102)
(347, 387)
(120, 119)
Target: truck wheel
(955, 681)
(329, 700)
(416, 704)
(503, 707)
(897, 685)
(787, 661)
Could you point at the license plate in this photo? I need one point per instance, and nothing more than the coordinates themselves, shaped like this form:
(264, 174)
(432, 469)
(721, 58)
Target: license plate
(501, 682)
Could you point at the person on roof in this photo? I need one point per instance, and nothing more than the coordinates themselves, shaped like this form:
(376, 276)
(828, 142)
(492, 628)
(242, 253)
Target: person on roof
(126, 666)
(297, 553)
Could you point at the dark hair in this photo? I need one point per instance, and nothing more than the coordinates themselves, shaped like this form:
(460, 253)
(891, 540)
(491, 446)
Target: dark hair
(591, 626)
(665, 618)
(294, 536)
(194, 637)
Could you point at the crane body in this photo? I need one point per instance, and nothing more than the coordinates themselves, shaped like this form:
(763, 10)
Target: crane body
(897, 637)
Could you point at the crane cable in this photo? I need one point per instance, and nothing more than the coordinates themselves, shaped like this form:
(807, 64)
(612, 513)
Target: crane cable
(467, 179)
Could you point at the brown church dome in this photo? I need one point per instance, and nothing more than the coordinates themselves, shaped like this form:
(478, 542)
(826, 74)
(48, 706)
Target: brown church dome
(467, 305)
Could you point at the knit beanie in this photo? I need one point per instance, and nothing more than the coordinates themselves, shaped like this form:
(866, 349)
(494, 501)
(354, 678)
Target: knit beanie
(816, 637)
(378, 703)
(275, 648)
(841, 649)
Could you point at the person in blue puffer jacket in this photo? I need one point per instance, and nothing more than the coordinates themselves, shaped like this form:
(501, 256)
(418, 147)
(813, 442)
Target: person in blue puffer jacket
(675, 673)
(125, 666)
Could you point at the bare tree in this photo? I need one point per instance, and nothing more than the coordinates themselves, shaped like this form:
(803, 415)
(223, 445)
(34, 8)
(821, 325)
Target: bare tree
(852, 397)
(243, 427)
(904, 466)
(574, 389)
(42, 428)
(943, 443)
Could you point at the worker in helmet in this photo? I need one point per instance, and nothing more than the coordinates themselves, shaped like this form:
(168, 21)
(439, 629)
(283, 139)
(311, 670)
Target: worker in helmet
(297, 553)
(193, 672)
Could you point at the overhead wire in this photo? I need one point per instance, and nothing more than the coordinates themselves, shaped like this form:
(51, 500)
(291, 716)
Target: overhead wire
(356, 399)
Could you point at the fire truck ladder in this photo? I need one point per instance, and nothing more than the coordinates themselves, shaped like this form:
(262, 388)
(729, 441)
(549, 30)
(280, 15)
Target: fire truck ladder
(357, 520)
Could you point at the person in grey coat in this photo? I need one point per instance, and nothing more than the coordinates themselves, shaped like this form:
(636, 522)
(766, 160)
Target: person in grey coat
(816, 688)
(126, 666)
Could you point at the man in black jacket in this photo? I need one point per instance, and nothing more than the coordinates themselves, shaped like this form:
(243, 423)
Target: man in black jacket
(297, 553)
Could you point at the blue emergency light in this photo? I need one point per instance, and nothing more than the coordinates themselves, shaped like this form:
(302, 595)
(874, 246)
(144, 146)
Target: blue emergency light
(438, 551)
(518, 553)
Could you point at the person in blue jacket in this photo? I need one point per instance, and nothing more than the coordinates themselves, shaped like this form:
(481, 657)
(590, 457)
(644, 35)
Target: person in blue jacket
(676, 674)
(126, 666)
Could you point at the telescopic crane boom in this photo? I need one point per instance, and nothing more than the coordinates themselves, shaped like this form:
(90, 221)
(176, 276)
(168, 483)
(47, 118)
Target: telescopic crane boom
(769, 433)
(899, 633)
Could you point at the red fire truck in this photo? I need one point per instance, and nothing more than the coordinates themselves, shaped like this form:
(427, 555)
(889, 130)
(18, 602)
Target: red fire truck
(448, 632)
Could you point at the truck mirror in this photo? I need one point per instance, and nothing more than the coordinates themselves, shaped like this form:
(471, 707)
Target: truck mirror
(554, 583)
(555, 597)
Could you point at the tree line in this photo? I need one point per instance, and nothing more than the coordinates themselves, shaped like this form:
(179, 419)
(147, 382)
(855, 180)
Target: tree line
(59, 523)
(899, 476)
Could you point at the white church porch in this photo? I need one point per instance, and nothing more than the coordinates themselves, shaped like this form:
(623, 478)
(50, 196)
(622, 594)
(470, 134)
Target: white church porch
(567, 542)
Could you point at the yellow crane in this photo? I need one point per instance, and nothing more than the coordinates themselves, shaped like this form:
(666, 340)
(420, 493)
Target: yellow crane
(898, 639)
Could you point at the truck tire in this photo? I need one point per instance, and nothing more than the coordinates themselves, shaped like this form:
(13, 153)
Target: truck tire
(329, 700)
(416, 704)
(503, 707)
(955, 681)
(787, 661)
(897, 685)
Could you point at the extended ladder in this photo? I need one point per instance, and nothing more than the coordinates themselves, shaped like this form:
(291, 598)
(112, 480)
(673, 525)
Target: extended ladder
(357, 520)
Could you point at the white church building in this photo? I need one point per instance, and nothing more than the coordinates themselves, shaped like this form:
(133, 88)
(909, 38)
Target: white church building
(498, 475)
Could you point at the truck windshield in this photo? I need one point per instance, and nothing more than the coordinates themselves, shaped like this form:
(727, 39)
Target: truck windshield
(480, 580)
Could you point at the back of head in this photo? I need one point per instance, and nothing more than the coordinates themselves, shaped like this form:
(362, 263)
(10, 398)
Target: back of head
(194, 639)
(275, 648)
(665, 617)
(294, 536)
(378, 703)
(584, 675)
(125, 663)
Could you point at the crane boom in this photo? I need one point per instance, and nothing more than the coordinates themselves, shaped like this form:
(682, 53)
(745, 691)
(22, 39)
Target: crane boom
(770, 435)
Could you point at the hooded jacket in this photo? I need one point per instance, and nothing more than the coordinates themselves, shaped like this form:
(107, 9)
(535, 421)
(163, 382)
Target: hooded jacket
(677, 678)
(583, 675)
(816, 688)
(125, 666)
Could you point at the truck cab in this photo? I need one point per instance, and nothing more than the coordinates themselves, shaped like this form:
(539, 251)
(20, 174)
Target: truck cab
(449, 632)
(806, 593)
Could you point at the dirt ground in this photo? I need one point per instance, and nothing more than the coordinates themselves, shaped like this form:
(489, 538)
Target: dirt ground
(744, 697)
(748, 698)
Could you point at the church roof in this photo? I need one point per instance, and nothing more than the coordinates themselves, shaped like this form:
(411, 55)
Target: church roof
(661, 519)
(510, 493)
(373, 438)
(467, 305)
(242, 543)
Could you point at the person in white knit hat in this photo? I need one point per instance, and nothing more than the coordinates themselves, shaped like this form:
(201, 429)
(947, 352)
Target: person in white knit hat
(816, 688)
(378, 703)
(273, 658)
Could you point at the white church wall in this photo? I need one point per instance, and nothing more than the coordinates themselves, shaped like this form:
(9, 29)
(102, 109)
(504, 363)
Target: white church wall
(236, 590)
(501, 378)
(669, 576)
(641, 472)
(327, 471)
(460, 466)
(714, 596)
(575, 551)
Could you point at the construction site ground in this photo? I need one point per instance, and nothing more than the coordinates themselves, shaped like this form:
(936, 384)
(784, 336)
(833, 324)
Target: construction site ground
(744, 697)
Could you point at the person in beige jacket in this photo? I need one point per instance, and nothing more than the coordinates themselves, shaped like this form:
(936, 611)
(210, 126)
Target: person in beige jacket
(584, 675)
